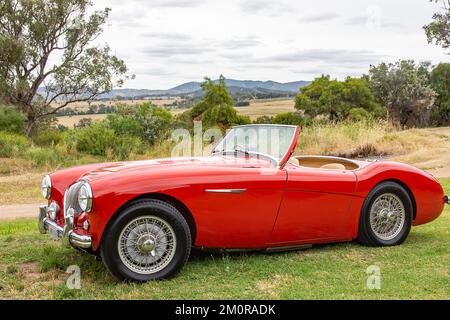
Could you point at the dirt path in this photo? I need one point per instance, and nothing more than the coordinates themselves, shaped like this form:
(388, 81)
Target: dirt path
(437, 163)
(444, 170)
(19, 211)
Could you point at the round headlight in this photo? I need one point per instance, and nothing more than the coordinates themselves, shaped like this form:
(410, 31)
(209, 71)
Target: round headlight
(85, 197)
(46, 187)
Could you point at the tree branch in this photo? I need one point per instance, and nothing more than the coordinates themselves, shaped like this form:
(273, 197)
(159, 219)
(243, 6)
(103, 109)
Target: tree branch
(65, 104)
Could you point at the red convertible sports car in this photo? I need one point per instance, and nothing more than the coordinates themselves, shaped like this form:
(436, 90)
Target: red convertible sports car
(142, 218)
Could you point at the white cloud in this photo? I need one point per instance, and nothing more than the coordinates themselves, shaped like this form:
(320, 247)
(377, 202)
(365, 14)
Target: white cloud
(165, 42)
(320, 17)
(161, 3)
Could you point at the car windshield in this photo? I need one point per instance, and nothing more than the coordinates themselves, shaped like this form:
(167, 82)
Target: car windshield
(272, 141)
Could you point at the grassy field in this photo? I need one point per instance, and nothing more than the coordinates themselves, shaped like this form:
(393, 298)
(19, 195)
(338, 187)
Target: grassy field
(33, 267)
(157, 101)
(257, 108)
(70, 121)
(269, 107)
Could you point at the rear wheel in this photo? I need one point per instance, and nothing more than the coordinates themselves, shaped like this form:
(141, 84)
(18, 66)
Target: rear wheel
(386, 216)
(149, 240)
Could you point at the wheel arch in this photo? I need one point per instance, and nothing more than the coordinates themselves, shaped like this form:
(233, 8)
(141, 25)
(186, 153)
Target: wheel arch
(180, 206)
(408, 190)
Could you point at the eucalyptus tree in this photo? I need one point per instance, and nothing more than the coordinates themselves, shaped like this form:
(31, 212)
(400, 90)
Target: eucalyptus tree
(438, 31)
(404, 89)
(50, 56)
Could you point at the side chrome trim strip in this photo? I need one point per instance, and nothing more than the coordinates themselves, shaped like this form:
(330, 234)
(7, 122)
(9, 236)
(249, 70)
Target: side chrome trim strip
(232, 191)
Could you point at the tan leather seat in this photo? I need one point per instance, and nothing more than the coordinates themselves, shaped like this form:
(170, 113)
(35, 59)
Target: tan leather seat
(294, 161)
(333, 166)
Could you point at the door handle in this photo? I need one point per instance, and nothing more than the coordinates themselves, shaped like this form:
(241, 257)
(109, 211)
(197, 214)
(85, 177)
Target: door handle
(232, 191)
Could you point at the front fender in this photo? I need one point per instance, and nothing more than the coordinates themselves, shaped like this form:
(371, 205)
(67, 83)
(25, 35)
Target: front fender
(111, 194)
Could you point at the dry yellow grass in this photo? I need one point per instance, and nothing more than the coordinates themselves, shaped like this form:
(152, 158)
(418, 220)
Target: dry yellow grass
(270, 107)
(81, 106)
(70, 121)
(337, 139)
(427, 149)
(272, 287)
(21, 189)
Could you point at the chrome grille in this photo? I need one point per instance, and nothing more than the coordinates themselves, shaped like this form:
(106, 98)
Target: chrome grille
(71, 199)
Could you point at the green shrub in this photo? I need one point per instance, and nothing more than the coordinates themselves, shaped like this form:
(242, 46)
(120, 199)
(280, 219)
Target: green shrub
(148, 122)
(359, 114)
(125, 124)
(48, 137)
(264, 120)
(11, 120)
(62, 128)
(289, 118)
(95, 139)
(334, 99)
(99, 139)
(124, 146)
(156, 122)
(12, 144)
(223, 116)
(50, 157)
(242, 104)
(84, 122)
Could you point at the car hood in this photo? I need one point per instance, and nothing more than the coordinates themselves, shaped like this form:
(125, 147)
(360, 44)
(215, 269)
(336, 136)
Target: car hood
(63, 178)
(145, 166)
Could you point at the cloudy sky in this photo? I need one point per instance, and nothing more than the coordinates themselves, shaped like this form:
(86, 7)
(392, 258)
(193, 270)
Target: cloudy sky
(168, 42)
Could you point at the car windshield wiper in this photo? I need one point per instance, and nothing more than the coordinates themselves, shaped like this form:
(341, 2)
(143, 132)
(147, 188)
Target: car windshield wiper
(218, 151)
(235, 150)
(241, 149)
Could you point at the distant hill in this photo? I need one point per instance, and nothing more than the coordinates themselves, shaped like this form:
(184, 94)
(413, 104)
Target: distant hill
(236, 87)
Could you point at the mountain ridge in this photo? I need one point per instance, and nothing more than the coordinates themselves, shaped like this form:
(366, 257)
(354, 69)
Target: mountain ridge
(193, 88)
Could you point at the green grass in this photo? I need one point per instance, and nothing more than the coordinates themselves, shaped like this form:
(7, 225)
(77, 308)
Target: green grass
(33, 267)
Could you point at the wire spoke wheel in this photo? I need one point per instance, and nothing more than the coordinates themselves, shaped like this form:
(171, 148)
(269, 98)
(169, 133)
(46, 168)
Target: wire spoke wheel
(387, 216)
(147, 245)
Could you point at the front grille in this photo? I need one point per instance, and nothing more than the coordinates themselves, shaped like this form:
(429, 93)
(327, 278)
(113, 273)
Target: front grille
(71, 199)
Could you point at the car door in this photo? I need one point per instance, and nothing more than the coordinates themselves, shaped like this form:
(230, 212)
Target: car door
(315, 206)
(238, 207)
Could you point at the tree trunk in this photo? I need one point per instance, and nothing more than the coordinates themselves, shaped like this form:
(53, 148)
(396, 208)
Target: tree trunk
(30, 125)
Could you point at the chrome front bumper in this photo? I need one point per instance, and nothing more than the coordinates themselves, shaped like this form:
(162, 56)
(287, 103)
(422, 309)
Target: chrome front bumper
(447, 199)
(68, 236)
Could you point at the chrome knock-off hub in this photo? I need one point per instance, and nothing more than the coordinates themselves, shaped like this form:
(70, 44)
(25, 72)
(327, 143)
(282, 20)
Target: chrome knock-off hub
(147, 244)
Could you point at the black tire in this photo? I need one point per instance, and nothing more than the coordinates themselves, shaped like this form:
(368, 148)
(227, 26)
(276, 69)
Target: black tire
(366, 235)
(155, 208)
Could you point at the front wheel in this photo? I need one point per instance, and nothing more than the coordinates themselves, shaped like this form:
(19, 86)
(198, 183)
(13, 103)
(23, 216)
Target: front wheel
(386, 216)
(149, 240)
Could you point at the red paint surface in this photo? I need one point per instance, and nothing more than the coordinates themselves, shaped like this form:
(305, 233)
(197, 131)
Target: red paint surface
(282, 206)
